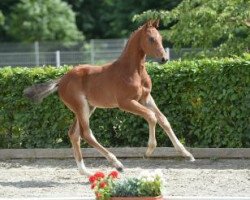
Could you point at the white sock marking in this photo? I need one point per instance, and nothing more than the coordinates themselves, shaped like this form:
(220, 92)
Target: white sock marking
(82, 168)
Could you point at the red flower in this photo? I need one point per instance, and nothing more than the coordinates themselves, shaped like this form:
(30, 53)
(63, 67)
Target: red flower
(98, 195)
(103, 184)
(93, 186)
(92, 179)
(99, 175)
(114, 174)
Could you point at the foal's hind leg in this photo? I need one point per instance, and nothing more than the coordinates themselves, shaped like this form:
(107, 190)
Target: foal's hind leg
(163, 122)
(86, 133)
(75, 138)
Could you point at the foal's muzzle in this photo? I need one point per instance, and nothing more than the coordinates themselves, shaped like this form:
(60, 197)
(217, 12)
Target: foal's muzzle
(163, 60)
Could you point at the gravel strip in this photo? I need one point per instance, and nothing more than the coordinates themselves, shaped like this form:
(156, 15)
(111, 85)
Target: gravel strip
(60, 178)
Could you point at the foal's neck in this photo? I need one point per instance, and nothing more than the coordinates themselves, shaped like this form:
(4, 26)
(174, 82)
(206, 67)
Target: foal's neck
(132, 58)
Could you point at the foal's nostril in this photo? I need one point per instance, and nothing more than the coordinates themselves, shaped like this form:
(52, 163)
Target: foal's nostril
(164, 60)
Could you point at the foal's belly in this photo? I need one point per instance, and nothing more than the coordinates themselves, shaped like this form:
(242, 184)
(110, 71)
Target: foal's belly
(101, 104)
(101, 98)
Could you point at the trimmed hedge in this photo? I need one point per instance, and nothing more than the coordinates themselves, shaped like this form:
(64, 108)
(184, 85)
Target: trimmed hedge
(206, 101)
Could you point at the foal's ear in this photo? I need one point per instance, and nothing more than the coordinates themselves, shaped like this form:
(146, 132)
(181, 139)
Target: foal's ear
(153, 23)
(156, 23)
(149, 23)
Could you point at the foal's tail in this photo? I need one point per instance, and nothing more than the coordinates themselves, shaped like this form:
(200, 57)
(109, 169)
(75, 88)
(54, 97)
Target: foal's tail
(38, 92)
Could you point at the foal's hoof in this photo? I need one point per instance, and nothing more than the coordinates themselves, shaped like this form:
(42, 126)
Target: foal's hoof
(120, 169)
(118, 165)
(146, 156)
(188, 156)
(191, 159)
(149, 152)
(85, 173)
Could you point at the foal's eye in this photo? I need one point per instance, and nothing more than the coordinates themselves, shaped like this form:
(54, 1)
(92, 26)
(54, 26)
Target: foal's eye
(151, 39)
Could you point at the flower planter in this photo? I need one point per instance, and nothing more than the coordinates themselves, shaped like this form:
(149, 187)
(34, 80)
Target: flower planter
(146, 184)
(137, 198)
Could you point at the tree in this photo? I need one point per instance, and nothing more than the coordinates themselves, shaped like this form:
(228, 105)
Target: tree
(5, 10)
(91, 17)
(122, 12)
(112, 18)
(207, 24)
(43, 20)
(1, 18)
(96, 19)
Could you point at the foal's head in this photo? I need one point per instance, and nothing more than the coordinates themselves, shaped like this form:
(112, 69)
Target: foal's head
(151, 41)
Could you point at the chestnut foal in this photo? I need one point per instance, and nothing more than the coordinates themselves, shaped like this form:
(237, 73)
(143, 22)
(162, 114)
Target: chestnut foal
(124, 83)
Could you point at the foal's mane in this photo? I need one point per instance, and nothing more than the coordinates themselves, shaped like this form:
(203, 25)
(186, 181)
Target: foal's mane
(130, 38)
(135, 31)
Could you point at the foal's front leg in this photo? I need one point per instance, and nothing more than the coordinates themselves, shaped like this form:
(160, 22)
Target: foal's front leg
(163, 122)
(136, 108)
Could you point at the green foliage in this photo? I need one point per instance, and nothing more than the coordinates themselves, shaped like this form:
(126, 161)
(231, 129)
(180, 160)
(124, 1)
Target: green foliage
(28, 125)
(137, 187)
(126, 188)
(206, 102)
(150, 187)
(206, 24)
(50, 20)
(1, 18)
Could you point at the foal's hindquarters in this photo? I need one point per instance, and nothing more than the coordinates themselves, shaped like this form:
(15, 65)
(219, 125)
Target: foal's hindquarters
(72, 91)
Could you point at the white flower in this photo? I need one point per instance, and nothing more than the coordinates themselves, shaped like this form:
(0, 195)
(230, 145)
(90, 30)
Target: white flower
(158, 173)
(150, 175)
(150, 179)
(144, 174)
